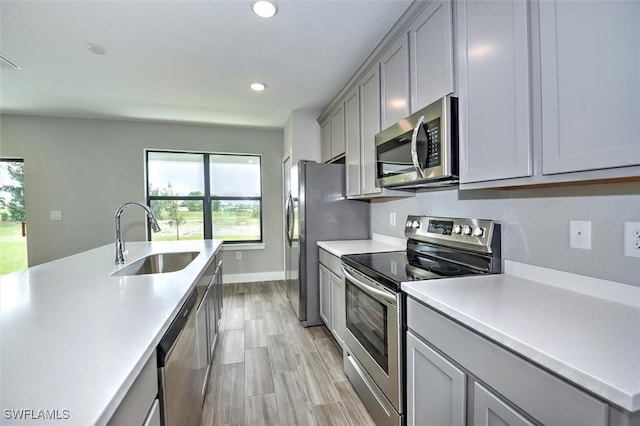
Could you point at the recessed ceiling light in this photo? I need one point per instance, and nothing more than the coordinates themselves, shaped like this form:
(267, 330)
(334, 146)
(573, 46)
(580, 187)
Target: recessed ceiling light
(264, 9)
(258, 87)
(98, 50)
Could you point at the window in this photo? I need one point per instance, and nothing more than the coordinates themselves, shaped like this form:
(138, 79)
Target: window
(205, 195)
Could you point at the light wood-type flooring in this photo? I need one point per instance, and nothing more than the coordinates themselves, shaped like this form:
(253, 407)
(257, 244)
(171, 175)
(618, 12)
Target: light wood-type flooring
(269, 370)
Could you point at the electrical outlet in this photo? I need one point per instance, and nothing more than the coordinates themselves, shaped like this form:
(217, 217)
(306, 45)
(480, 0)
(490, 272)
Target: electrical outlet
(56, 214)
(632, 239)
(392, 218)
(238, 255)
(580, 234)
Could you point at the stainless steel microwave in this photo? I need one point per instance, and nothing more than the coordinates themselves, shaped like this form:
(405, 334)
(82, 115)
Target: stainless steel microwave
(421, 150)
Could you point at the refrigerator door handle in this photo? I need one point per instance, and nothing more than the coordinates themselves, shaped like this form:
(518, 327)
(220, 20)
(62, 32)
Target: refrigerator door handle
(288, 219)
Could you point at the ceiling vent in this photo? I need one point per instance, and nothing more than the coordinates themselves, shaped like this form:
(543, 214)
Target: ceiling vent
(7, 63)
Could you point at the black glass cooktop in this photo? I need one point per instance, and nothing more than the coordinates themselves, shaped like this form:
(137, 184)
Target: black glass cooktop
(393, 268)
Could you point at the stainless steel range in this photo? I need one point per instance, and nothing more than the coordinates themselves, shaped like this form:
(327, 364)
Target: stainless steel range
(437, 248)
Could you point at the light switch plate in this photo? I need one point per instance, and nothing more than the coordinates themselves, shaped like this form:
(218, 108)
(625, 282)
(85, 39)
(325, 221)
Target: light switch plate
(580, 234)
(392, 218)
(56, 215)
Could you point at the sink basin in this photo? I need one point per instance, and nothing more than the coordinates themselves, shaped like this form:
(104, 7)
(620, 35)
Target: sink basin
(158, 263)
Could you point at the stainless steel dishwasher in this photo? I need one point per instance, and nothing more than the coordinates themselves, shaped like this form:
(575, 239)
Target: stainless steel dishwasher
(180, 393)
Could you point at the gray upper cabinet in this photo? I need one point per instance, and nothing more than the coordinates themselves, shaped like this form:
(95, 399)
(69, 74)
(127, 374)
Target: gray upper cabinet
(332, 134)
(590, 70)
(325, 140)
(431, 54)
(370, 126)
(352, 135)
(436, 388)
(494, 88)
(337, 132)
(394, 77)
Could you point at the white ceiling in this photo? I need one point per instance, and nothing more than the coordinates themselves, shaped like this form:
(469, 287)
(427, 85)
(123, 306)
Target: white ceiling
(185, 61)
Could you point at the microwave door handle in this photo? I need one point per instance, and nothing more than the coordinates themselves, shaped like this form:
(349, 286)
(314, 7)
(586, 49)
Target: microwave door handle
(378, 294)
(414, 147)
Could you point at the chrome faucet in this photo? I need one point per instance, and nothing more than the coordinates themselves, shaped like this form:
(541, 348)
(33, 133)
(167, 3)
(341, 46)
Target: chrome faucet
(153, 222)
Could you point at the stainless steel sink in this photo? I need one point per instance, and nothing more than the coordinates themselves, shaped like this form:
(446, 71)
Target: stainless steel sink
(158, 263)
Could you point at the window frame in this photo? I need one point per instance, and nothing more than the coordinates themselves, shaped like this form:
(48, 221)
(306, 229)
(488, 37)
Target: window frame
(207, 198)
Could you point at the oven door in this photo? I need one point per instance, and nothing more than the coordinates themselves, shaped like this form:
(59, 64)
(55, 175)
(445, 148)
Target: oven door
(373, 331)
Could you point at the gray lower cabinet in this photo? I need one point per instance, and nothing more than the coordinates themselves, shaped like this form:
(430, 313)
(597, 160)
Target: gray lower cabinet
(590, 62)
(153, 418)
(338, 312)
(332, 295)
(325, 295)
(491, 410)
(528, 394)
(140, 404)
(494, 90)
(201, 341)
(207, 319)
(436, 389)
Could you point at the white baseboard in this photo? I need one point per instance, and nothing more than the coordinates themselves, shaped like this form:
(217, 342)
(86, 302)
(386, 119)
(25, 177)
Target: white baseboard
(252, 277)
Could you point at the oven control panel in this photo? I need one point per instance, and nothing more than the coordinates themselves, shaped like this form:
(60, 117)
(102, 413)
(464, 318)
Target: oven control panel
(472, 234)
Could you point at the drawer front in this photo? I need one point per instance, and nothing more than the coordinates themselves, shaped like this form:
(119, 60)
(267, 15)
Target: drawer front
(333, 263)
(542, 395)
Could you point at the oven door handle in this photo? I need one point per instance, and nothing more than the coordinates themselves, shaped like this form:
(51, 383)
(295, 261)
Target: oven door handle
(414, 147)
(367, 288)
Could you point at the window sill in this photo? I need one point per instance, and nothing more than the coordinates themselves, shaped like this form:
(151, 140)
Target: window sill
(241, 246)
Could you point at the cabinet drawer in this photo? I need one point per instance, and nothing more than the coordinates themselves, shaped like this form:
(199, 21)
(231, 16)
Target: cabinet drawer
(540, 394)
(333, 263)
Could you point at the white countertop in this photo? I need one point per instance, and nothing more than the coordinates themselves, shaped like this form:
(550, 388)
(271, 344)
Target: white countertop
(590, 341)
(74, 338)
(342, 247)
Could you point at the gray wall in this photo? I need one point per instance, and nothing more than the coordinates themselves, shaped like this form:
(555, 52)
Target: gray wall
(87, 168)
(535, 223)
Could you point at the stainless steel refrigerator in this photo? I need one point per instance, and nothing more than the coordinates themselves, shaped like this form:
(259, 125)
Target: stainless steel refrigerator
(316, 210)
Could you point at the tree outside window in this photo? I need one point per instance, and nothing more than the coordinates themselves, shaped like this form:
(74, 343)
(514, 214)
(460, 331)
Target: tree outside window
(205, 195)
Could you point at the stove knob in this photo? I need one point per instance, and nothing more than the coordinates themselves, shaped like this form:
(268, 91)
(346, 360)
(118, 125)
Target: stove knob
(408, 224)
(457, 229)
(415, 224)
(478, 232)
(466, 230)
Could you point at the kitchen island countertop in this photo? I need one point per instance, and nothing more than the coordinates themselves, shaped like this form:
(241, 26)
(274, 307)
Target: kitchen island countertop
(74, 338)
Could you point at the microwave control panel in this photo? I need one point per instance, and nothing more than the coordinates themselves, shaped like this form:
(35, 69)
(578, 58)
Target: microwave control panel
(429, 144)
